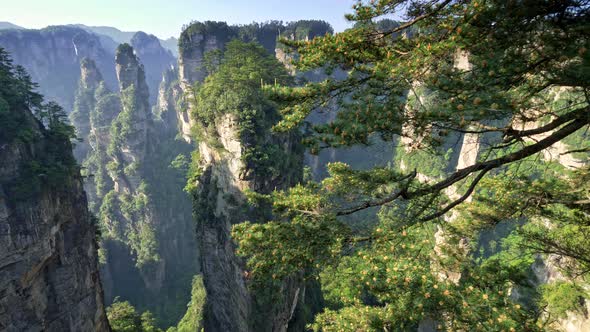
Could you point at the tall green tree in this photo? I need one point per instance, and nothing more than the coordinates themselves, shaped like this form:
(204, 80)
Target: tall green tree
(124, 318)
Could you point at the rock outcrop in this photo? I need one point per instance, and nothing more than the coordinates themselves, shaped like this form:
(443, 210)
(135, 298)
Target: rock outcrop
(52, 57)
(149, 243)
(195, 42)
(120, 37)
(170, 104)
(155, 58)
(49, 278)
(84, 104)
(220, 203)
(200, 38)
(135, 136)
(220, 197)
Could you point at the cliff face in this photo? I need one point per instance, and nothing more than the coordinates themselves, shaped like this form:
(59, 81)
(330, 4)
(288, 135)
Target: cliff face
(48, 252)
(201, 38)
(120, 37)
(155, 58)
(220, 203)
(170, 103)
(196, 41)
(52, 57)
(84, 104)
(135, 134)
(219, 198)
(149, 243)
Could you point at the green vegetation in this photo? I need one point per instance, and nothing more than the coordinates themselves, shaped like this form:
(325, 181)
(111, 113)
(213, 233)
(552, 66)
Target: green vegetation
(54, 165)
(219, 30)
(563, 297)
(454, 68)
(192, 319)
(235, 88)
(127, 219)
(136, 216)
(123, 318)
(305, 29)
(122, 128)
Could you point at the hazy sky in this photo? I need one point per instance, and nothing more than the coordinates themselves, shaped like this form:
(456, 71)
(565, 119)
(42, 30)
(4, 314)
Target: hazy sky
(165, 18)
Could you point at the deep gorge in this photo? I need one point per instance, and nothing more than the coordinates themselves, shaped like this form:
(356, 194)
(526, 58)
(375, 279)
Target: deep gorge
(279, 177)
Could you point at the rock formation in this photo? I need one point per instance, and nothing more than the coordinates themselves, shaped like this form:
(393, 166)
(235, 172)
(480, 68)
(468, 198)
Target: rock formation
(220, 194)
(84, 104)
(49, 279)
(52, 57)
(154, 57)
(149, 243)
(170, 104)
(220, 203)
(134, 136)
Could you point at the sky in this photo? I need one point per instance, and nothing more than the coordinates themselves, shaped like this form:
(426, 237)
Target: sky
(165, 18)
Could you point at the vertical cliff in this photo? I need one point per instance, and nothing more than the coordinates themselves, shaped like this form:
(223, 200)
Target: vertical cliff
(170, 102)
(239, 153)
(149, 248)
(132, 132)
(220, 203)
(48, 252)
(155, 58)
(199, 40)
(52, 57)
(195, 42)
(84, 104)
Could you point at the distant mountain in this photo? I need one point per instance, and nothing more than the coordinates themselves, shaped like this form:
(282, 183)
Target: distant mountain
(156, 59)
(171, 44)
(117, 35)
(8, 25)
(126, 36)
(52, 57)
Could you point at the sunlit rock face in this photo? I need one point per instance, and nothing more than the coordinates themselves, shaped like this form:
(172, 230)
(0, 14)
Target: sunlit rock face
(219, 201)
(219, 204)
(195, 42)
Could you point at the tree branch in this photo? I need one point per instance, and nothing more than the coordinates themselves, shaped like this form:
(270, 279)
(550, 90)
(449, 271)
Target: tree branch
(460, 199)
(481, 166)
(579, 113)
(509, 158)
(417, 19)
(576, 151)
(390, 198)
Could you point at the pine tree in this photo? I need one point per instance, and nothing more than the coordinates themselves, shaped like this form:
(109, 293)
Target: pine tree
(516, 70)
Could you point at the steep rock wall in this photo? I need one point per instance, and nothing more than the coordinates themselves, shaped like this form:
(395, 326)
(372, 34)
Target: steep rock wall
(195, 42)
(170, 103)
(149, 242)
(49, 278)
(154, 57)
(200, 38)
(220, 203)
(52, 57)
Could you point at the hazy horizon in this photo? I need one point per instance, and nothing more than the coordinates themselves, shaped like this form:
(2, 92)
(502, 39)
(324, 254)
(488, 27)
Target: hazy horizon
(166, 18)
